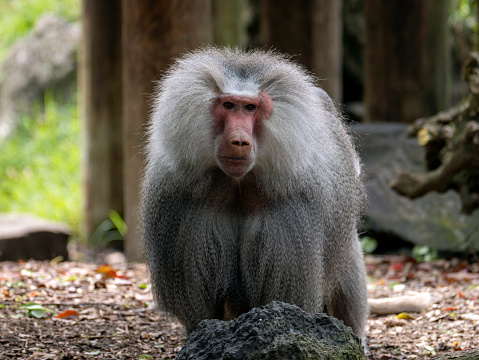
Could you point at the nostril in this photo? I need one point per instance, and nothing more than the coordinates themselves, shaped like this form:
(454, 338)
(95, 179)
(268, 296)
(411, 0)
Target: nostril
(239, 143)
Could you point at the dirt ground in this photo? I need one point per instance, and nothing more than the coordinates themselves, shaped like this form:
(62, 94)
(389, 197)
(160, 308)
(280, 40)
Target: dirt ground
(72, 310)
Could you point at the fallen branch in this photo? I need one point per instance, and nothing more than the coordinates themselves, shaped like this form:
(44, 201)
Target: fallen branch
(396, 305)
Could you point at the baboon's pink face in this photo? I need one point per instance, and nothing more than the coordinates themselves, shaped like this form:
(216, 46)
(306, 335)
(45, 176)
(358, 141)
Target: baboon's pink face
(238, 121)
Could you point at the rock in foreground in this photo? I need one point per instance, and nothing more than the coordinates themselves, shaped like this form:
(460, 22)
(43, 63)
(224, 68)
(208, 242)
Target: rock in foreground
(275, 331)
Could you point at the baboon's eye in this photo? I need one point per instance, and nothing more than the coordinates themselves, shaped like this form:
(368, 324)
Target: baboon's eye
(228, 105)
(250, 107)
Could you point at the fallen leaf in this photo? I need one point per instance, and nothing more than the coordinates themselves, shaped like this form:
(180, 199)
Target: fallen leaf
(405, 316)
(109, 271)
(106, 270)
(67, 314)
(449, 308)
(93, 353)
(35, 310)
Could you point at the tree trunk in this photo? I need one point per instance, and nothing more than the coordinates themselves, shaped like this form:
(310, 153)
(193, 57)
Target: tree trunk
(101, 85)
(231, 19)
(407, 59)
(154, 31)
(311, 30)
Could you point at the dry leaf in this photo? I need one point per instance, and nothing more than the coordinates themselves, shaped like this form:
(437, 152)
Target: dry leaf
(67, 314)
(405, 316)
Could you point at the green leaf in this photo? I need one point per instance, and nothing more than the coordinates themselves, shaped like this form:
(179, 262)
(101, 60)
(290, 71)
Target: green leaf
(31, 306)
(368, 244)
(424, 253)
(38, 313)
(118, 221)
(35, 310)
(18, 284)
(94, 353)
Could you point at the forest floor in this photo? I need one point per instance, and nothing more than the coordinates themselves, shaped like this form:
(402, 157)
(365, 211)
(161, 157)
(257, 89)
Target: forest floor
(71, 310)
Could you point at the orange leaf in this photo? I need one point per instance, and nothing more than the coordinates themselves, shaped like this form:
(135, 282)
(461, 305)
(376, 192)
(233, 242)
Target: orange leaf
(109, 271)
(106, 270)
(67, 314)
(123, 277)
(459, 295)
(449, 308)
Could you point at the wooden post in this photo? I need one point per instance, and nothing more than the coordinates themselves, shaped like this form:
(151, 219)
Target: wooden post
(311, 30)
(154, 32)
(101, 90)
(407, 59)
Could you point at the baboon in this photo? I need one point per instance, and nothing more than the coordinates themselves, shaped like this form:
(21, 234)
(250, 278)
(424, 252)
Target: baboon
(252, 191)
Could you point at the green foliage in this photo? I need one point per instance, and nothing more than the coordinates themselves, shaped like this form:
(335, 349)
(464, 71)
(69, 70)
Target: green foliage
(368, 244)
(109, 230)
(462, 10)
(34, 310)
(17, 17)
(143, 286)
(463, 17)
(40, 165)
(424, 253)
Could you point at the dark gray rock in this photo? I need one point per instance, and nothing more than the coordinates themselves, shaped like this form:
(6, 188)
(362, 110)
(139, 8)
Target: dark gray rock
(45, 59)
(27, 237)
(275, 331)
(435, 219)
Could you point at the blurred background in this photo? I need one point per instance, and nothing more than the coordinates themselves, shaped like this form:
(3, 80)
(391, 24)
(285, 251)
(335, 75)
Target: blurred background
(75, 79)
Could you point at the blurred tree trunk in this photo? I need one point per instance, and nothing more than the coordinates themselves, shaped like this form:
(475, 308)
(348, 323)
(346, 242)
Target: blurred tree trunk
(231, 19)
(154, 31)
(101, 84)
(311, 30)
(407, 59)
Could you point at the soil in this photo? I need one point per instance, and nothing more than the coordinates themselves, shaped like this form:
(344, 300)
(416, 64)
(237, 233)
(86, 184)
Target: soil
(113, 316)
